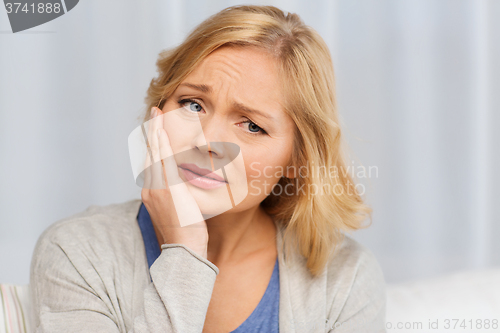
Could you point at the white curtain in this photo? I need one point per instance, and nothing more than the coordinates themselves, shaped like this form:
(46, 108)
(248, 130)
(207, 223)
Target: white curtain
(418, 86)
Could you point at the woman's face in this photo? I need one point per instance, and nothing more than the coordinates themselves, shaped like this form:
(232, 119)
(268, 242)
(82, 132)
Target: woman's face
(234, 96)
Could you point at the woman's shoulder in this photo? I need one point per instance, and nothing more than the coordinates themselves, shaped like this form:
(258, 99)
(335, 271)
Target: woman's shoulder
(353, 263)
(103, 224)
(356, 284)
(351, 255)
(87, 261)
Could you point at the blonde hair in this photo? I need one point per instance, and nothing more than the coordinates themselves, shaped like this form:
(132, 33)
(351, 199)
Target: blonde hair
(314, 224)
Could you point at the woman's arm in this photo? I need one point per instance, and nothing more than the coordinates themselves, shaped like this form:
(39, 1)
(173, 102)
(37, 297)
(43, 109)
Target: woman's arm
(74, 291)
(69, 294)
(183, 282)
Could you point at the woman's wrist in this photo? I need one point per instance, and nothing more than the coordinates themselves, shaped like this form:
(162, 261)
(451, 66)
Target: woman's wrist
(197, 244)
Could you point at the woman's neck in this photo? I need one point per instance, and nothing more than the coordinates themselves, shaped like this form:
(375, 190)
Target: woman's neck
(234, 236)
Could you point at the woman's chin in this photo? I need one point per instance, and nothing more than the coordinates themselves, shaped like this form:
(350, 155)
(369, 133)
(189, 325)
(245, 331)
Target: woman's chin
(211, 202)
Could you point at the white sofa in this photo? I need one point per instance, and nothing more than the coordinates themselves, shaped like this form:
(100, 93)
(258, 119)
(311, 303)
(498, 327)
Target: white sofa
(466, 301)
(15, 309)
(442, 304)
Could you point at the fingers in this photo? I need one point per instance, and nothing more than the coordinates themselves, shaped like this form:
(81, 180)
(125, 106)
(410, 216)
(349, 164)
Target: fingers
(152, 130)
(157, 176)
(148, 160)
(186, 207)
(152, 169)
(169, 164)
(153, 175)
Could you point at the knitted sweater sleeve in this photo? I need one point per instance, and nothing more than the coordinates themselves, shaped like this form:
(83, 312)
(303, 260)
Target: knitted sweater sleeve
(70, 294)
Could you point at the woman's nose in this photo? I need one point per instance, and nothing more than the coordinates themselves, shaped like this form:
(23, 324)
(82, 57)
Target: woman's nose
(211, 138)
(215, 148)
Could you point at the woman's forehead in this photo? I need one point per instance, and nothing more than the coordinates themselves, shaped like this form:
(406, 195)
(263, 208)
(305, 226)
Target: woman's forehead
(245, 67)
(247, 74)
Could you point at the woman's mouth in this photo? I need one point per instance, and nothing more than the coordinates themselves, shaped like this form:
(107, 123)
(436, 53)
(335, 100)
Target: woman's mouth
(200, 177)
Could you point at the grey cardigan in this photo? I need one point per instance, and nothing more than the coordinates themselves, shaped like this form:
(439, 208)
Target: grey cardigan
(89, 273)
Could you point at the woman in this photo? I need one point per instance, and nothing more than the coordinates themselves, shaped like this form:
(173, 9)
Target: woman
(184, 260)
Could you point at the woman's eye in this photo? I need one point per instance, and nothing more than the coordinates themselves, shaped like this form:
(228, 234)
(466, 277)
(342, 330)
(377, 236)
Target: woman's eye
(253, 127)
(191, 105)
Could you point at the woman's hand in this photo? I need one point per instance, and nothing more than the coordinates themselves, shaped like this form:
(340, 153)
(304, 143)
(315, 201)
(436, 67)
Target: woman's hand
(174, 212)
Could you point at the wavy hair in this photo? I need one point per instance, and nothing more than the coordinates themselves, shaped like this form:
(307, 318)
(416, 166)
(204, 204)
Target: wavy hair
(314, 223)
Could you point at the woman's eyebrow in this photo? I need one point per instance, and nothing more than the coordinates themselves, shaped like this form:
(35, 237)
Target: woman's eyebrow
(201, 87)
(249, 110)
(236, 105)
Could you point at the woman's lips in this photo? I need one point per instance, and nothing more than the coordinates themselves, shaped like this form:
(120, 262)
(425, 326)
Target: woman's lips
(200, 177)
(201, 171)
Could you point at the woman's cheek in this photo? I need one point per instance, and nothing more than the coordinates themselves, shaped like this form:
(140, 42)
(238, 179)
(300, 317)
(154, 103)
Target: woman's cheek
(260, 179)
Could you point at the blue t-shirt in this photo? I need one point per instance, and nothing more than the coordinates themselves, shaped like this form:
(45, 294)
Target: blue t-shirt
(264, 318)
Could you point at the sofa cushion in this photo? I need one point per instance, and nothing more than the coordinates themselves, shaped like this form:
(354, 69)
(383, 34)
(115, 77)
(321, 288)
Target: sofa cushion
(15, 309)
(467, 301)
